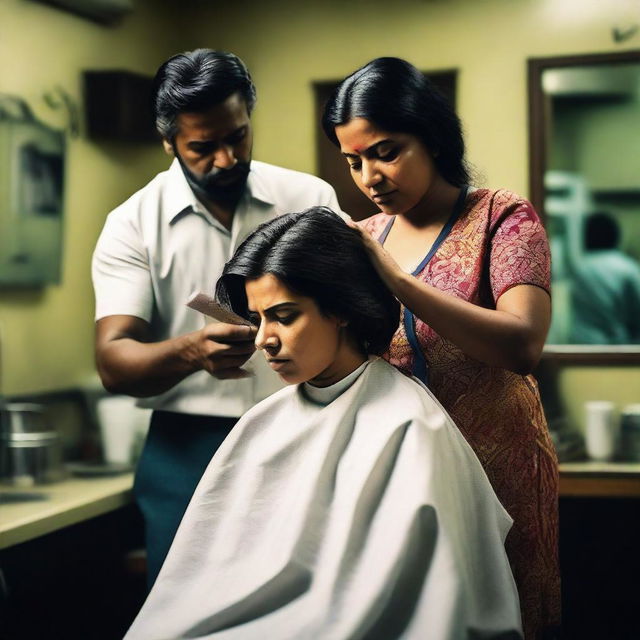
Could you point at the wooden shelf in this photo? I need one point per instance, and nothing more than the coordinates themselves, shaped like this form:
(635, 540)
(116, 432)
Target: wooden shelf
(600, 479)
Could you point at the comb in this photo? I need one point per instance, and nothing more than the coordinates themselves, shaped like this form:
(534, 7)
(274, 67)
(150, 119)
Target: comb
(210, 307)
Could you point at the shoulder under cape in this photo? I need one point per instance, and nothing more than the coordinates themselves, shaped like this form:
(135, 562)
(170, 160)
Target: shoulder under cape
(368, 518)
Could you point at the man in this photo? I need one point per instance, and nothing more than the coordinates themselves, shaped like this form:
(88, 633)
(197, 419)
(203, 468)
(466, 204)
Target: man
(606, 287)
(168, 240)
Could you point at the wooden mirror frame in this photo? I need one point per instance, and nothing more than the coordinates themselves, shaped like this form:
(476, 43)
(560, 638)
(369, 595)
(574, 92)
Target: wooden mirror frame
(538, 112)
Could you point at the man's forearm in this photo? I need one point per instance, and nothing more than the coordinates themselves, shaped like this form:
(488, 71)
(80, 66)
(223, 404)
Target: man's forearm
(143, 369)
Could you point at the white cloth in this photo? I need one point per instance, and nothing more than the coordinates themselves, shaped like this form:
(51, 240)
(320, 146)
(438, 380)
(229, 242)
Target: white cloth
(326, 395)
(369, 517)
(161, 245)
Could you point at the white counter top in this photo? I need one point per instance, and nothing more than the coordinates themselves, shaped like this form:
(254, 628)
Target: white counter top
(57, 505)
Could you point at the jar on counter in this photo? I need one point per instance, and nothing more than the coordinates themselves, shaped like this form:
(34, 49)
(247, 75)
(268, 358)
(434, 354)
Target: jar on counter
(630, 433)
(30, 449)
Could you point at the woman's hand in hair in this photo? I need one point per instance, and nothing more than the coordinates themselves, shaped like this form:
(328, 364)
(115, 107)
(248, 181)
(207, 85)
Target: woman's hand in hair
(388, 269)
(511, 336)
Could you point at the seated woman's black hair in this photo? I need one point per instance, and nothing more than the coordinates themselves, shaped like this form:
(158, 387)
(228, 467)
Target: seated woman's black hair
(315, 254)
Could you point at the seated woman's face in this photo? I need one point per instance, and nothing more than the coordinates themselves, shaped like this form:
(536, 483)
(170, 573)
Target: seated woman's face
(300, 343)
(394, 170)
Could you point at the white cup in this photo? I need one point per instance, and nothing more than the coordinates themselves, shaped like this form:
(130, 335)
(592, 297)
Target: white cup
(117, 416)
(600, 430)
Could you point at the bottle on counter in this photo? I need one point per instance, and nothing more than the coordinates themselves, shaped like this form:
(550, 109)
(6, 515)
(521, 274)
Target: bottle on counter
(630, 433)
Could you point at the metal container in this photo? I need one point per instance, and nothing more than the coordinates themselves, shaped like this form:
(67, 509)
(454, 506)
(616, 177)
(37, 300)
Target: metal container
(30, 451)
(22, 417)
(630, 433)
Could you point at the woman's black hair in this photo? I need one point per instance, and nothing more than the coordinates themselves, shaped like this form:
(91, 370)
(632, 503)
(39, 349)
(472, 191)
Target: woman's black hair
(195, 81)
(395, 96)
(315, 254)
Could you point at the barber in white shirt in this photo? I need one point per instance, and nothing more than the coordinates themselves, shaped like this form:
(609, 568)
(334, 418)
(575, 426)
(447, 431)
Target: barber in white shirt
(168, 240)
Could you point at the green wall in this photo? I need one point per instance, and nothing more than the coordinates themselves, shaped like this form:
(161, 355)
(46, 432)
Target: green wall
(47, 335)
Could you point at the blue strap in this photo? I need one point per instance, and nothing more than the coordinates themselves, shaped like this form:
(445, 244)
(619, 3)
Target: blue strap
(420, 367)
(444, 232)
(385, 232)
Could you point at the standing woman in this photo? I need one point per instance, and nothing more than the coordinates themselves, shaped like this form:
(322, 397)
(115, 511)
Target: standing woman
(471, 269)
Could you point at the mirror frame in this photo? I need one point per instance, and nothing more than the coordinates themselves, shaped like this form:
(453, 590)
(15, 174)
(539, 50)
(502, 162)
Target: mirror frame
(538, 124)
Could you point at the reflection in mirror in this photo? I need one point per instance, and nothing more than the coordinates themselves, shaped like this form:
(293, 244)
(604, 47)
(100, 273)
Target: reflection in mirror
(588, 167)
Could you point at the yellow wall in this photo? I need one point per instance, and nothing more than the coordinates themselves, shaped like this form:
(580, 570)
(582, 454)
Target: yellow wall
(291, 44)
(46, 335)
(287, 44)
(620, 385)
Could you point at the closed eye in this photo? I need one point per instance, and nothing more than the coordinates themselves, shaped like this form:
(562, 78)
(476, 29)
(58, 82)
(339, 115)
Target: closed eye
(390, 155)
(206, 147)
(272, 316)
(237, 136)
(203, 148)
(286, 319)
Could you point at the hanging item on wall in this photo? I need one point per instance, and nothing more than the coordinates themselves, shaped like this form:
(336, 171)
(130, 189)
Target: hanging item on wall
(117, 105)
(31, 196)
(59, 100)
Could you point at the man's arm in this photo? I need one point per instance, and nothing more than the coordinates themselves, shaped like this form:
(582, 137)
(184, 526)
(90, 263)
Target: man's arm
(129, 362)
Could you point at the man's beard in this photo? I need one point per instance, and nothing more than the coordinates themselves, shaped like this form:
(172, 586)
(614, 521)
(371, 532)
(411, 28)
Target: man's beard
(219, 185)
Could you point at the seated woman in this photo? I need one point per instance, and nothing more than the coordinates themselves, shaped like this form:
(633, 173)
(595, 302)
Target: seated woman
(346, 505)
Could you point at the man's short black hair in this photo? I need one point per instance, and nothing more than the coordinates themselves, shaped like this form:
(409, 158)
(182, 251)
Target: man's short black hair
(195, 81)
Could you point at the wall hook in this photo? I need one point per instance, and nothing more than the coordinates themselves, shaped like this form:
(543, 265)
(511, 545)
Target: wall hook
(58, 98)
(620, 34)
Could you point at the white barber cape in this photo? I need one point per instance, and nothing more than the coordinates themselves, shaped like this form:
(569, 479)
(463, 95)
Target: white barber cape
(361, 516)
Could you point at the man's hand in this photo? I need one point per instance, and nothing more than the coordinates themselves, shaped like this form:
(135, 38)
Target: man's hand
(130, 362)
(222, 349)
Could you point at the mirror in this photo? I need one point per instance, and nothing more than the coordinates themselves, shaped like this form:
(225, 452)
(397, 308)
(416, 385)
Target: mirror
(585, 182)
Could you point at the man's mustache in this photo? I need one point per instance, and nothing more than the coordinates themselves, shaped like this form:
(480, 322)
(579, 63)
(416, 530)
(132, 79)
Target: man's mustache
(216, 175)
(218, 184)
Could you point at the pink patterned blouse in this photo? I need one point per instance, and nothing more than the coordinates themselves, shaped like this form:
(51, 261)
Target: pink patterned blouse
(496, 242)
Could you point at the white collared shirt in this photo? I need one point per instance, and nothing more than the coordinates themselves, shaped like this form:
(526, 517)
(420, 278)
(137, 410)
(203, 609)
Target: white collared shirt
(161, 245)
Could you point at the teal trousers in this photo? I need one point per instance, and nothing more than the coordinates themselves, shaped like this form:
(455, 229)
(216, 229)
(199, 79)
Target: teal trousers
(177, 450)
